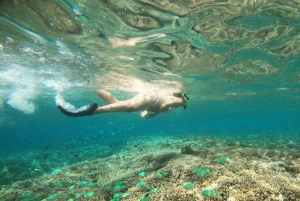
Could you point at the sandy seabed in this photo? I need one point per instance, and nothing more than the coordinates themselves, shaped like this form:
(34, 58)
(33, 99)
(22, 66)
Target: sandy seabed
(256, 172)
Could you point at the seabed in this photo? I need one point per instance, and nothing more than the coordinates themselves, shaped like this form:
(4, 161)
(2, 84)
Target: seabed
(252, 168)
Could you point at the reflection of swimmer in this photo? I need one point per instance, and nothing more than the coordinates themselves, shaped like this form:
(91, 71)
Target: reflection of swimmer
(129, 41)
(150, 102)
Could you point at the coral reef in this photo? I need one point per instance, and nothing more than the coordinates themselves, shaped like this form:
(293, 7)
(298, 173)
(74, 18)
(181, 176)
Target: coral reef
(250, 174)
(27, 165)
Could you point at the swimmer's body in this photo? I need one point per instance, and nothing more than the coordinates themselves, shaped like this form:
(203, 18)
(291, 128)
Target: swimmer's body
(142, 102)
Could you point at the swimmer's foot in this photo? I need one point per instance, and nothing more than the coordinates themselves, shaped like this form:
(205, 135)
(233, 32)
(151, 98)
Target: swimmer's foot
(86, 112)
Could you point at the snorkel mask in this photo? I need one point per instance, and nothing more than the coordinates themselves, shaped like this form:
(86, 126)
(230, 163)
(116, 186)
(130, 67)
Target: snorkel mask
(184, 97)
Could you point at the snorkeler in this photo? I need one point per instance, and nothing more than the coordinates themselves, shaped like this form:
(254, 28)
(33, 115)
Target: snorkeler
(142, 102)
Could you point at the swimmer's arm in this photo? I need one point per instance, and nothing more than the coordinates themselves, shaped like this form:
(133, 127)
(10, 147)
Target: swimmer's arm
(164, 108)
(147, 115)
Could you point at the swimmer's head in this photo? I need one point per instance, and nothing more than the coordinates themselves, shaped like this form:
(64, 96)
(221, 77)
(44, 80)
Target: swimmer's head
(184, 97)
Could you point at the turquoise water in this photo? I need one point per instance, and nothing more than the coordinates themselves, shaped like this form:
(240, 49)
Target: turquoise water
(237, 60)
(48, 127)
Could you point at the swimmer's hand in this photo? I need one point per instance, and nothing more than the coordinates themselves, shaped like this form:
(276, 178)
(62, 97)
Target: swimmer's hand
(146, 115)
(143, 114)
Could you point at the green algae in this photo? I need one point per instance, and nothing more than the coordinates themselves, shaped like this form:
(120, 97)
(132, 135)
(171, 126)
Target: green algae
(211, 193)
(153, 191)
(140, 184)
(223, 160)
(188, 185)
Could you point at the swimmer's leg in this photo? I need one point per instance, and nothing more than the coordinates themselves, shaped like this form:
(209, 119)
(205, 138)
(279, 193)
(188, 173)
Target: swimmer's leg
(137, 103)
(120, 106)
(106, 96)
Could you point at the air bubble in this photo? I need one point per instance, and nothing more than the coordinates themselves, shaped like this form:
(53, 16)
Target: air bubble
(9, 39)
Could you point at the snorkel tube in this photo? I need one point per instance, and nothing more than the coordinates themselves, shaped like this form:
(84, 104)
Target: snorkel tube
(184, 97)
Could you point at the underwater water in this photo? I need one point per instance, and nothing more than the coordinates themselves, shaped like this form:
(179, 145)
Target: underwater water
(237, 60)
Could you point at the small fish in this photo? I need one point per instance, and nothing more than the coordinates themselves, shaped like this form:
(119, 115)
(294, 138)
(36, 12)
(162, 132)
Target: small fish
(82, 183)
(93, 184)
(52, 185)
(152, 191)
(147, 198)
(119, 187)
(70, 196)
(72, 187)
(111, 145)
(188, 185)
(141, 184)
(211, 193)
(121, 182)
(62, 184)
(159, 175)
(89, 194)
(46, 148)
(143, 174)
(117, 196)
(104, 37)
(223, 160)
(106, 188)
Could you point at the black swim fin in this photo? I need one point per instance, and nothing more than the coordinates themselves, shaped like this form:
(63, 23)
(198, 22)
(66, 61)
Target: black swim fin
(86, 112)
